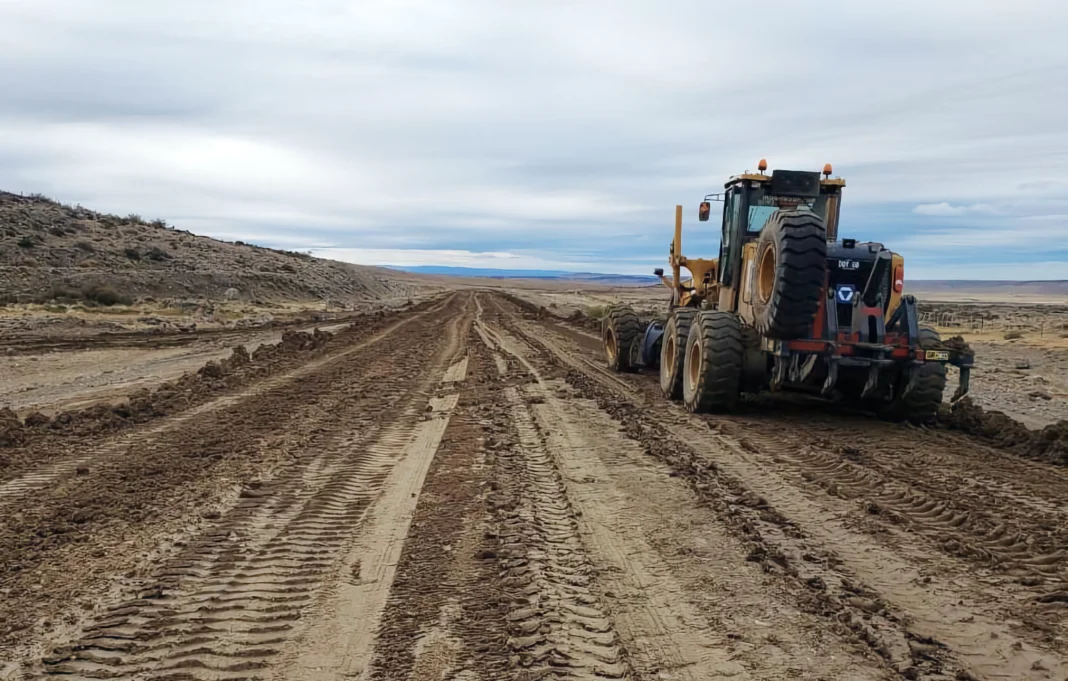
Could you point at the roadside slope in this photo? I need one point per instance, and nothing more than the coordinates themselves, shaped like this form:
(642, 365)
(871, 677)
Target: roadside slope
(49, 250)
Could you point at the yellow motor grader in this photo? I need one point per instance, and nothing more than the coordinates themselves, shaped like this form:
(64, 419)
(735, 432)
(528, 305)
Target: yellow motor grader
(787, 305)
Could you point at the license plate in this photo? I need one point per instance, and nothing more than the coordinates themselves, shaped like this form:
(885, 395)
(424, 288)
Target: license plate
(938, 355)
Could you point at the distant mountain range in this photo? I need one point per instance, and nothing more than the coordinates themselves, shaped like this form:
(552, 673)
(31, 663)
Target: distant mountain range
(555, 275)
(1052, 289)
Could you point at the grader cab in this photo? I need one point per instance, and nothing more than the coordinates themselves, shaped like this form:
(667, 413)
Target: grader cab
(787, 305)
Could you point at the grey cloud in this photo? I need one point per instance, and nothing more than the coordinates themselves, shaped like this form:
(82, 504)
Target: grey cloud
(549, 125)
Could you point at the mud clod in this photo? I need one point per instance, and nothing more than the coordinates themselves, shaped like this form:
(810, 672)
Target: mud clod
(1049, 444)
(170, 397)
(12, 432)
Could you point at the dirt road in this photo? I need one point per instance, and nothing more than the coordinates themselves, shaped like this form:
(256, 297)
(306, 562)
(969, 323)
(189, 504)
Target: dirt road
(460, 491)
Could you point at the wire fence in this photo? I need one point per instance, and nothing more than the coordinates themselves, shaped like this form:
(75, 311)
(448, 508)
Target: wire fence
(986, 323)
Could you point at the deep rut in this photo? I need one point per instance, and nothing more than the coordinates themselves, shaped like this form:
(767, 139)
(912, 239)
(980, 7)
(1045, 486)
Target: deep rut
(557, 622)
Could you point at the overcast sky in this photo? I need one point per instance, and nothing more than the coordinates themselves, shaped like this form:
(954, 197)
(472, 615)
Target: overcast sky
(545, 134)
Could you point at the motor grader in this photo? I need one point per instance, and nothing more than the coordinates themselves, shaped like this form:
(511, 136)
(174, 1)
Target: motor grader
(787, 305)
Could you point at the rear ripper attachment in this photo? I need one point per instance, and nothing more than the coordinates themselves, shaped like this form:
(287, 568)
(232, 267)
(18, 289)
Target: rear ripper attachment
(788, 306)
(866, 343)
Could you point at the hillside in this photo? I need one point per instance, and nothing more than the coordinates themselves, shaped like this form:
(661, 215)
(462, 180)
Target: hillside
(50, 251)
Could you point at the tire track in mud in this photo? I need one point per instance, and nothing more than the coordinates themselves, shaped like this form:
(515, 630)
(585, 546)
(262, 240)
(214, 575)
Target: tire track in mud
(1024, 495)
(700, 631)
(926, 626)
(994, 511)
(225, 606)
(444, 618)
(341, 637)
(11, 491)
(557, 624)
(997, 510)
(960, 529)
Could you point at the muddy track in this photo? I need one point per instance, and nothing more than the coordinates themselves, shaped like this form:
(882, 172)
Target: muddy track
(268, 473)
(224, 607)
(464, 493)
(976, 557)
(47, 456)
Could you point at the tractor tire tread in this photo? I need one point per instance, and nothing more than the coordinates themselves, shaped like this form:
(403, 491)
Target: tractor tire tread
(799, 238)
(627, 328)
(722, 350)
(922, 403)
(671, 376)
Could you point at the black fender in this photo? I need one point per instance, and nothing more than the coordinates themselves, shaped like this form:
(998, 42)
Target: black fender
(654, 334)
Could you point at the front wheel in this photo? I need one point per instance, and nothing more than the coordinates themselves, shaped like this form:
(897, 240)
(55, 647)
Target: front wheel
(673, 351)
(620, 333)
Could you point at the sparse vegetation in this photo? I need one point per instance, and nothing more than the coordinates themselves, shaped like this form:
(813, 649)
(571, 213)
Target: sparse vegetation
(158, 254)
(105, 295)
(1013, 335)
(57, 250)
(596, 311)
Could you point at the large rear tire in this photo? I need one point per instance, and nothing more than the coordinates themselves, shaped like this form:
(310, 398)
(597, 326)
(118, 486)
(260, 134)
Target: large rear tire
(791, 270)
(673, 351)
(713, 369)
(620, 331)
(923, 398)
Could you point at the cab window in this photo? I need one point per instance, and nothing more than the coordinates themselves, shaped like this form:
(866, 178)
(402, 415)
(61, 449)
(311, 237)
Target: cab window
(763, 205)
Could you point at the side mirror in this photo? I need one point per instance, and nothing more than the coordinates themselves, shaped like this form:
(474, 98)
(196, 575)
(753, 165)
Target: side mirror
(706, 208)
(659, 271)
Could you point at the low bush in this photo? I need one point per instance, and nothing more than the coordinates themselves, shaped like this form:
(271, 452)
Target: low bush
(101, 294)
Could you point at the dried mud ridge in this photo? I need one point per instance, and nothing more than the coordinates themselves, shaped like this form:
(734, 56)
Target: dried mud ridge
(18, 437)
(994, 427)
(154, 338)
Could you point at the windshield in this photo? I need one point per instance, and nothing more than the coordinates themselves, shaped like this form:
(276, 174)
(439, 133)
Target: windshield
(763, 205)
